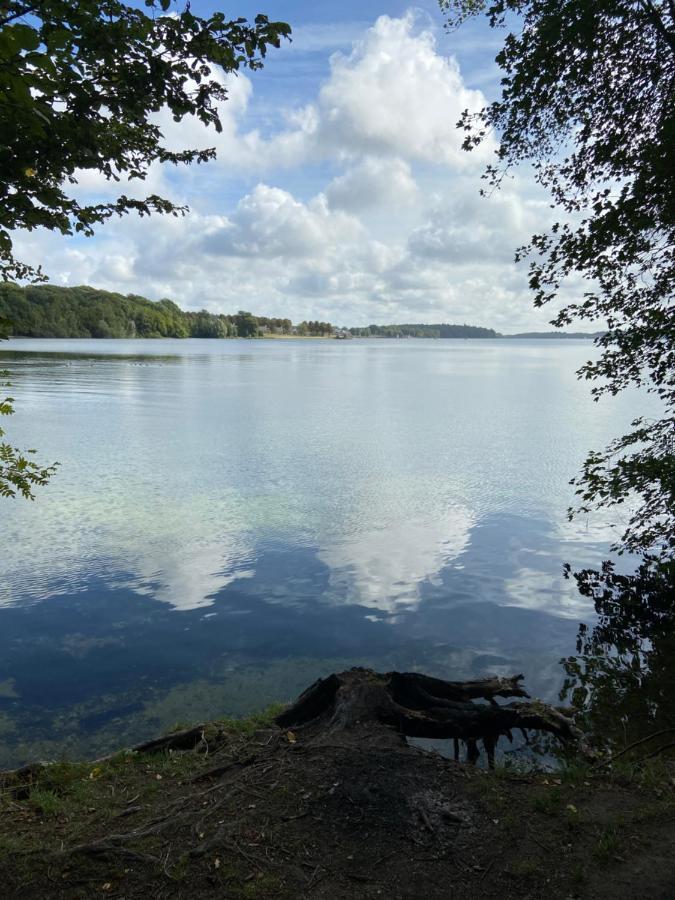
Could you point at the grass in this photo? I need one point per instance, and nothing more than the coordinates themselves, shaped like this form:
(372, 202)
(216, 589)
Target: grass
(61, 788)
(248, 726)
(579, 875)
(47, 803)
(579, 819)
(548, 801)
(607, 845)
(513, 765)
(261, 886)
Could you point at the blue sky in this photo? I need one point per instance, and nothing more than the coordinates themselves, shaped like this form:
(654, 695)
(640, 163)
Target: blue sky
(340, 191)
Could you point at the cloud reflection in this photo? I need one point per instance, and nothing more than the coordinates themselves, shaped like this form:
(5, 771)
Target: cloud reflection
(385, 569)
(191, 578)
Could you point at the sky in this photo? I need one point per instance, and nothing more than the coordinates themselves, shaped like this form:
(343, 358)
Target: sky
(340, 191)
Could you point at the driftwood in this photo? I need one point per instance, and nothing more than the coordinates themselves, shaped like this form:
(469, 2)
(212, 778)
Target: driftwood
(407, 704)
(186, 739)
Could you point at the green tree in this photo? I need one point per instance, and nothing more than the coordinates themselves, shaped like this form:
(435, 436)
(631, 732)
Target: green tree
(587, 98)
(247, 324)
(81, 82)
(19, 474)
(623, 674)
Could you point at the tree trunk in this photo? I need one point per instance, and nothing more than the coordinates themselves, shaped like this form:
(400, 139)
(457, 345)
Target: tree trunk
(366, 705)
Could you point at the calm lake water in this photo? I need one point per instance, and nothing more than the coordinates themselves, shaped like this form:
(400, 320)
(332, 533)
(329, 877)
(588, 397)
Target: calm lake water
(232, 519)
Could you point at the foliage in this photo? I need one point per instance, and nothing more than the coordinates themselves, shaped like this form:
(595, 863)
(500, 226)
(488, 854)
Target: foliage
(18, 473)
(587, 98)
(425, 331)
(81, 84)
(81, 312)
(46, 311)
(623, 676)
(246, 324)
(315, 328)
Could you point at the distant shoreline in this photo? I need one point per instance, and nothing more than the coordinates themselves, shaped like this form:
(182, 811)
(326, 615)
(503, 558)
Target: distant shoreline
(544, 335)
(537, 336)
(48, 311)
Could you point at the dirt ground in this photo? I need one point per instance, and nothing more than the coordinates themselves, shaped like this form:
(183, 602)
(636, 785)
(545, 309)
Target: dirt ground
(258, 812)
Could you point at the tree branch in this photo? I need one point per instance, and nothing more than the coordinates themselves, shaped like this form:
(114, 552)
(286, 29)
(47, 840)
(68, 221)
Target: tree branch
(656, 20)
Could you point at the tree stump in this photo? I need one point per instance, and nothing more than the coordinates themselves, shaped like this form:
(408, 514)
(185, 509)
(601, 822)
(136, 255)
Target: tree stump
(366, 706)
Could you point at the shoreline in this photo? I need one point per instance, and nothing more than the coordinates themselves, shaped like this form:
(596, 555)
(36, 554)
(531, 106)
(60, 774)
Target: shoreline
(245, 809)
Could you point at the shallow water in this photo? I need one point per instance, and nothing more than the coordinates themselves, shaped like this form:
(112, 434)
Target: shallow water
(232, 519)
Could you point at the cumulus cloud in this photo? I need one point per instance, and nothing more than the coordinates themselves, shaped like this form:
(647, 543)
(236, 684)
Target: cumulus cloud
(394, 94)
(270, 222)
(465, 228)
(357, 206)
(373, 183)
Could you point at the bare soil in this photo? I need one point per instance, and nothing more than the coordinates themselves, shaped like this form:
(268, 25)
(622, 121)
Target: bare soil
(262, 812)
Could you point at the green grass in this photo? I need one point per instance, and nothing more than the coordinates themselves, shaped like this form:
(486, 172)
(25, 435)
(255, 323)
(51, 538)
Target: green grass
(548, 801)
(248, 726)
(47, 803)
(607, 845)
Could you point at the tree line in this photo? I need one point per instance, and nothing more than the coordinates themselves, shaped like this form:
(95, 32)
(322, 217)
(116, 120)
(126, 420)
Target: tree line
(425, 331)
(86, 312)
(47, 311)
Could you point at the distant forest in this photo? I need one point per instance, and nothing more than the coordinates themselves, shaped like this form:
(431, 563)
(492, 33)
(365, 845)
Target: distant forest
(425, 331)
(47, 311)
(84, 312)
(557, 335)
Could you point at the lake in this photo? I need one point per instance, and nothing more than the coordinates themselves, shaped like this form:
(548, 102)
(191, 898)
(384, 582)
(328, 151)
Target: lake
(232, 519)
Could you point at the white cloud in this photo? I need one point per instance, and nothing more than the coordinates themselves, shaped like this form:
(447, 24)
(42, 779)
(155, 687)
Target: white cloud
(387, 569)
(373, 183)
(464, 228)
(271, 223)
(280, 256)
(394, 94)
(366, 208)
(231, 146)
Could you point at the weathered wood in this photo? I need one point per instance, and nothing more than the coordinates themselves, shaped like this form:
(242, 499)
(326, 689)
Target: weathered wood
(409, 704)
(186, 739)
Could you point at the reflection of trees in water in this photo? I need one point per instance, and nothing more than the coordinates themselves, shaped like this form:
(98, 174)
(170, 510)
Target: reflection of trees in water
(623, 673)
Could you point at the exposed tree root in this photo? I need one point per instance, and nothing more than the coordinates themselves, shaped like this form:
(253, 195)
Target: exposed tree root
(413, 705)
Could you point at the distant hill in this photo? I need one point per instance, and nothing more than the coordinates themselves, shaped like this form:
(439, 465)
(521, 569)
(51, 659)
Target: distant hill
(47, 311)
(460, 331)
(421, 330)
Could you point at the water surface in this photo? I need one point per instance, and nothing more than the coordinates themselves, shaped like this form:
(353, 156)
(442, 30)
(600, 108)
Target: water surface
(231, 519)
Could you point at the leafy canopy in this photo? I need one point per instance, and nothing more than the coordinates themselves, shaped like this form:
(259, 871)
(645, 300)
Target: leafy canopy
(81, 82)
(587, 97)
